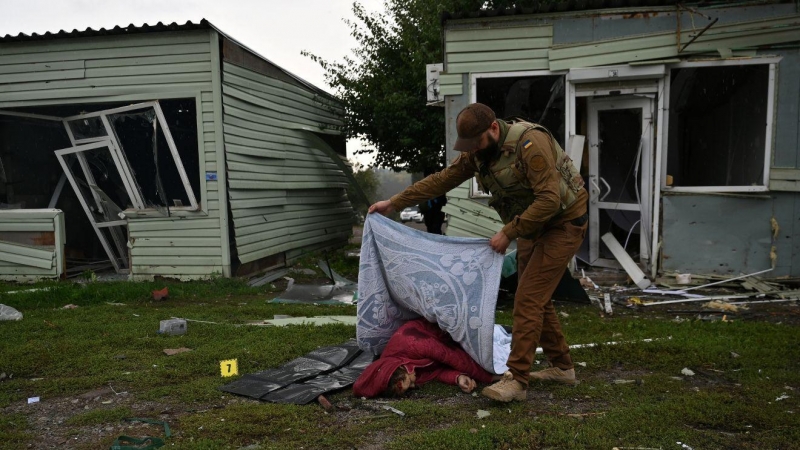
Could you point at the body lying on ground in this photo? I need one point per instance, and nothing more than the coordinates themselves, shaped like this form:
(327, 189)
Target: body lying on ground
(417, 353)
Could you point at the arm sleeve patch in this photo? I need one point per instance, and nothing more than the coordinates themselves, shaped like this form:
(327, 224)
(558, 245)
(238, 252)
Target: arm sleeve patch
(538, 163)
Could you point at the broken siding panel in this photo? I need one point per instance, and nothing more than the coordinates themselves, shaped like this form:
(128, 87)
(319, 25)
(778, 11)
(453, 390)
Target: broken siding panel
(32, 244)
(494, 50)
(662, 45)
(714, 234)
(468, 217)
(285, 194)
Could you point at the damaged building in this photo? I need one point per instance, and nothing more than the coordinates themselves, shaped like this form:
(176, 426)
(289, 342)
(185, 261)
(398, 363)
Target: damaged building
(683, 120)
(164, 150)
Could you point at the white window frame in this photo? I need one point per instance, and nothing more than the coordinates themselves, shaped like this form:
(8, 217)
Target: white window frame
(768, 140)
(116, 227)
(474, 191)
(128, 177)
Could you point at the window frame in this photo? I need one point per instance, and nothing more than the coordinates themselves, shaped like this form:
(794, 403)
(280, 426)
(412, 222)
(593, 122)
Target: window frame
(772, 62)
(474, 190)
(111, 137)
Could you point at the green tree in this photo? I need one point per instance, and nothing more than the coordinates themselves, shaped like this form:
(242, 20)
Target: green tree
(383, 86)
(368, 182)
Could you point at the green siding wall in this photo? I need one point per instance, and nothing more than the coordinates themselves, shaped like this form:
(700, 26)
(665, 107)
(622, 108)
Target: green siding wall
(483, 49)
(134, 68)
(285, 194)
(662, 45)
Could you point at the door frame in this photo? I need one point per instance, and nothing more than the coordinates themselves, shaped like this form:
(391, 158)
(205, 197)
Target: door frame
(648, 79)
(596, 182)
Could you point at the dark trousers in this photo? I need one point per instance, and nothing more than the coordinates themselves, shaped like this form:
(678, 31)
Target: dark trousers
(540, 265)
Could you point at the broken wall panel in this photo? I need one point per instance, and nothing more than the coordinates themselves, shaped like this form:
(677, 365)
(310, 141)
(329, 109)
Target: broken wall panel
(31, 244)
(128, 69)
(286, 195)
(703, 235)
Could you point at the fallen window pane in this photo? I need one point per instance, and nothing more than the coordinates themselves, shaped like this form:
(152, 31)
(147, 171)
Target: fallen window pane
(717, 125)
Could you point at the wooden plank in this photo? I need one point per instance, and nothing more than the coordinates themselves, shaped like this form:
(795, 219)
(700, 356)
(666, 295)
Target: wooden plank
(451, 90)
(149, 60)
(24, 260)
(498, 45)
(176, 242)
(26, 226)
(42, 76)
(175, 270)
(41, 67)
(479, 34)
(170, 78)
(172, 224)
(106, 42)
(512, 55)
(499, 66)
(183, 261)
(784, 185)
(106, 53)
(24, 250)
(778, 173)
(175, 251)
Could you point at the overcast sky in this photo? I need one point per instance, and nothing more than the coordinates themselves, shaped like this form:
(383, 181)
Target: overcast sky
(276, 29)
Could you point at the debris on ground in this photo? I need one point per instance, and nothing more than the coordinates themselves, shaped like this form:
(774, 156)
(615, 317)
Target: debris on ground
(70, 306)
(783, 396)
(315, 320)
(722, 306)
(325, 403)
(175, 351)
(483, 413)
(688, 372)
(394, 410)
(32, 400)
(161, 294)
(267, 277)
(9, 313)
(172, 327)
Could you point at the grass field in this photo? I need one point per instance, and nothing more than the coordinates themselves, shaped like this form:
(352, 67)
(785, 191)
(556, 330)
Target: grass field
(102, 362)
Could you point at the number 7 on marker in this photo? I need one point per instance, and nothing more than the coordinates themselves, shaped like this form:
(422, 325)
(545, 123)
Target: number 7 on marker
(229, 367)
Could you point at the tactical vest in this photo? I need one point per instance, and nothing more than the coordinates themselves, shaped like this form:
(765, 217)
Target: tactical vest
(505, 177)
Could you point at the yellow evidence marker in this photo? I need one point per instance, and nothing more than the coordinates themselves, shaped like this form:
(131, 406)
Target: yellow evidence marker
(229, 367)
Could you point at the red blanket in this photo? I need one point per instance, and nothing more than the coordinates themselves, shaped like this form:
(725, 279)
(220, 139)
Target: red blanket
(422, 347)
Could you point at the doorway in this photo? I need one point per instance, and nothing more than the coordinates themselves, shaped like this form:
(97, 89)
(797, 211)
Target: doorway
(620, 130)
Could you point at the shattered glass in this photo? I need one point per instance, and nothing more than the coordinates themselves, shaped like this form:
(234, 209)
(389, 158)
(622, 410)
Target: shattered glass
(142, 141)
(87, 128)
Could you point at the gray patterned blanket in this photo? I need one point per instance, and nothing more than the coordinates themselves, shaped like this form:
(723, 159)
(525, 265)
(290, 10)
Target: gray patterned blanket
(405, 274)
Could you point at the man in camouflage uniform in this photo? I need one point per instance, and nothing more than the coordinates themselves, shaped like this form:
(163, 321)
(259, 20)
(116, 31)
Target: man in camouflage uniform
(539, 195)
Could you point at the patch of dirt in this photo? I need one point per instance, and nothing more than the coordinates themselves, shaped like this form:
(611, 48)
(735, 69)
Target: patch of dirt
(48, 419)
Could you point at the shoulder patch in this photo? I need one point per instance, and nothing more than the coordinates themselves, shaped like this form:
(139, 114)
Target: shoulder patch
(526, 144)
(538, 163)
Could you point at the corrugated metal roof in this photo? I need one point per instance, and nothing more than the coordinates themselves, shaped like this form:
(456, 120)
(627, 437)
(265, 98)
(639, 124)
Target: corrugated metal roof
(118, 30)
(550, 6)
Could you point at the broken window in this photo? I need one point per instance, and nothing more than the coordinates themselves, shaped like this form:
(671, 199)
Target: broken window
(114, 157)
(154, 166)
(718, 127)
(533, 98)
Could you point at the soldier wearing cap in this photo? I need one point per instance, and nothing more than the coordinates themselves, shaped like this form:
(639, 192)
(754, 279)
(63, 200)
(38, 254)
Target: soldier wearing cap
(539, 195)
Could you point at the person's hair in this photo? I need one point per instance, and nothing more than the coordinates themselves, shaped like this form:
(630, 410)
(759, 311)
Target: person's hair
(399, 375)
